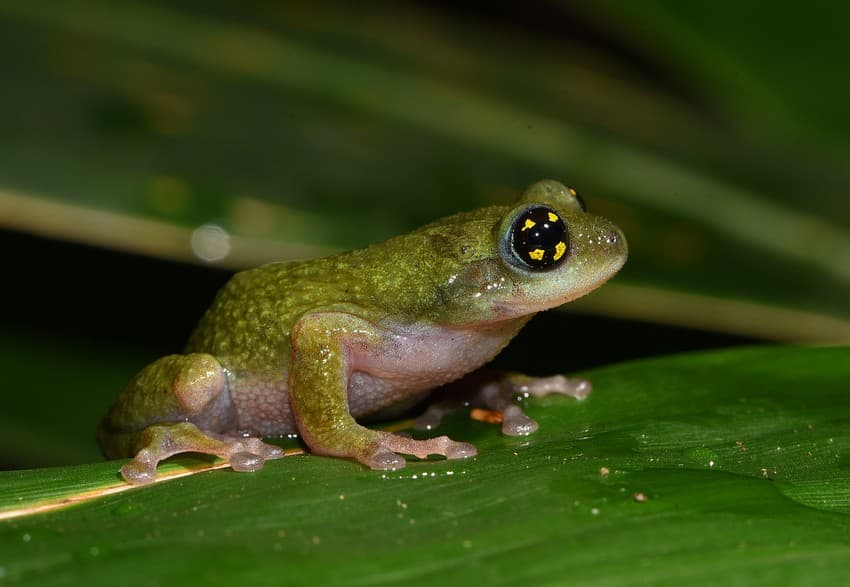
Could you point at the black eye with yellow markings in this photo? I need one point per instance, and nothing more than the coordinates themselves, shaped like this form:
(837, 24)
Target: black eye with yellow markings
(539, 238)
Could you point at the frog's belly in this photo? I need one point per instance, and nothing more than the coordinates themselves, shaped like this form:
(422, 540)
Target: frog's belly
(261, 400)
(397, 373)
(412, 361)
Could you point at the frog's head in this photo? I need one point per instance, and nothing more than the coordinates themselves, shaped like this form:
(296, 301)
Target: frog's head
(544, 251)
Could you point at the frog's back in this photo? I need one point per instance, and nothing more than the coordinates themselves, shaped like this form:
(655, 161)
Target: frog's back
(248, 324)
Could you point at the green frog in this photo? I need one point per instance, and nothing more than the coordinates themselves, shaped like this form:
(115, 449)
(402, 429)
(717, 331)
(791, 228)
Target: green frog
(316, 348)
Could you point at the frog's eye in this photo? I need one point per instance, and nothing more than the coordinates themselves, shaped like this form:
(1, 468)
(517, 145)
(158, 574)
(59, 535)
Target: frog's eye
(539, 238)
(578, 199)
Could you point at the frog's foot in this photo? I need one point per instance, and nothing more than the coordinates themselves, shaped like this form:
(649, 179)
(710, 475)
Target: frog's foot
(382, 454)
(161, 441)
(500, 395)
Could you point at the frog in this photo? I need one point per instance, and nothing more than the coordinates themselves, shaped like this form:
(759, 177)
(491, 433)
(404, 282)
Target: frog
(321, 348)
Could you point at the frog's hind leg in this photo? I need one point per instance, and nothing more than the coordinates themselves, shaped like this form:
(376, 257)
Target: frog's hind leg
(161, 441)
(179, 403)
(500, 394)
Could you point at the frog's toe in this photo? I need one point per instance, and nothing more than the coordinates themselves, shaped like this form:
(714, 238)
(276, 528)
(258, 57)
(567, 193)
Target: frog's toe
(580, 388)
(247, 461)
(141, 470)
(516, 423)
(263, 450)
(273, 452)
(384, 460)
(251, 454)
(460, 450)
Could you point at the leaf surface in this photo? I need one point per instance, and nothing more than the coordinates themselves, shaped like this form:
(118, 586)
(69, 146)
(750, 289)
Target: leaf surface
(725, 467)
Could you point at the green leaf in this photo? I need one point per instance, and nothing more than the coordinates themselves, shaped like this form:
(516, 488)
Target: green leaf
(718, 468)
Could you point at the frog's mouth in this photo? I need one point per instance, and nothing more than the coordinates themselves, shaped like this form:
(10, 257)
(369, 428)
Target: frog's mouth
(524, 303)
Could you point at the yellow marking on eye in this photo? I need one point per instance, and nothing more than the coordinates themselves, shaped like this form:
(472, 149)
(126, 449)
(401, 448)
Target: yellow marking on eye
(573, 192)
(528, 224)
(537, 254)
(560, 249)
(553, 217)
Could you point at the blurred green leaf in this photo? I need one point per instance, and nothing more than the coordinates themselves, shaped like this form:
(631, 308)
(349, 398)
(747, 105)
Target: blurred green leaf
(303, 130)
(57, 393)
(768, 77)
(728, 467)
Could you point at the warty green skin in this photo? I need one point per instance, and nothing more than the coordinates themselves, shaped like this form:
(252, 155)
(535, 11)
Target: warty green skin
(403, 281)
(309, 346)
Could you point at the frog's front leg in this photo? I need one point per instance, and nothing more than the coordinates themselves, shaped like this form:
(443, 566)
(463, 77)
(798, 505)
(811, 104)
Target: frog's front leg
(499, 393)
(324, 347)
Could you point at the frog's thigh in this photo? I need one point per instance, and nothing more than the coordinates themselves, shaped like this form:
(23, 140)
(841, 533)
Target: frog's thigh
(161, 441)
(160, 412)
(323, 345)
(172, 388)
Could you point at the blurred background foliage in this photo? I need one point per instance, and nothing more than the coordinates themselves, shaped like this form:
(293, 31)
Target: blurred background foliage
(147, 149)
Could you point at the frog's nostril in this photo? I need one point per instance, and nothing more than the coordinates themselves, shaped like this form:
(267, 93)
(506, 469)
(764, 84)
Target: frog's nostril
(617, 241)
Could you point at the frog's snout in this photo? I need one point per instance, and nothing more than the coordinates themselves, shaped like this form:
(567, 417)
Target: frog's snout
(605, 239)
(616, 241)
(617, 247)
